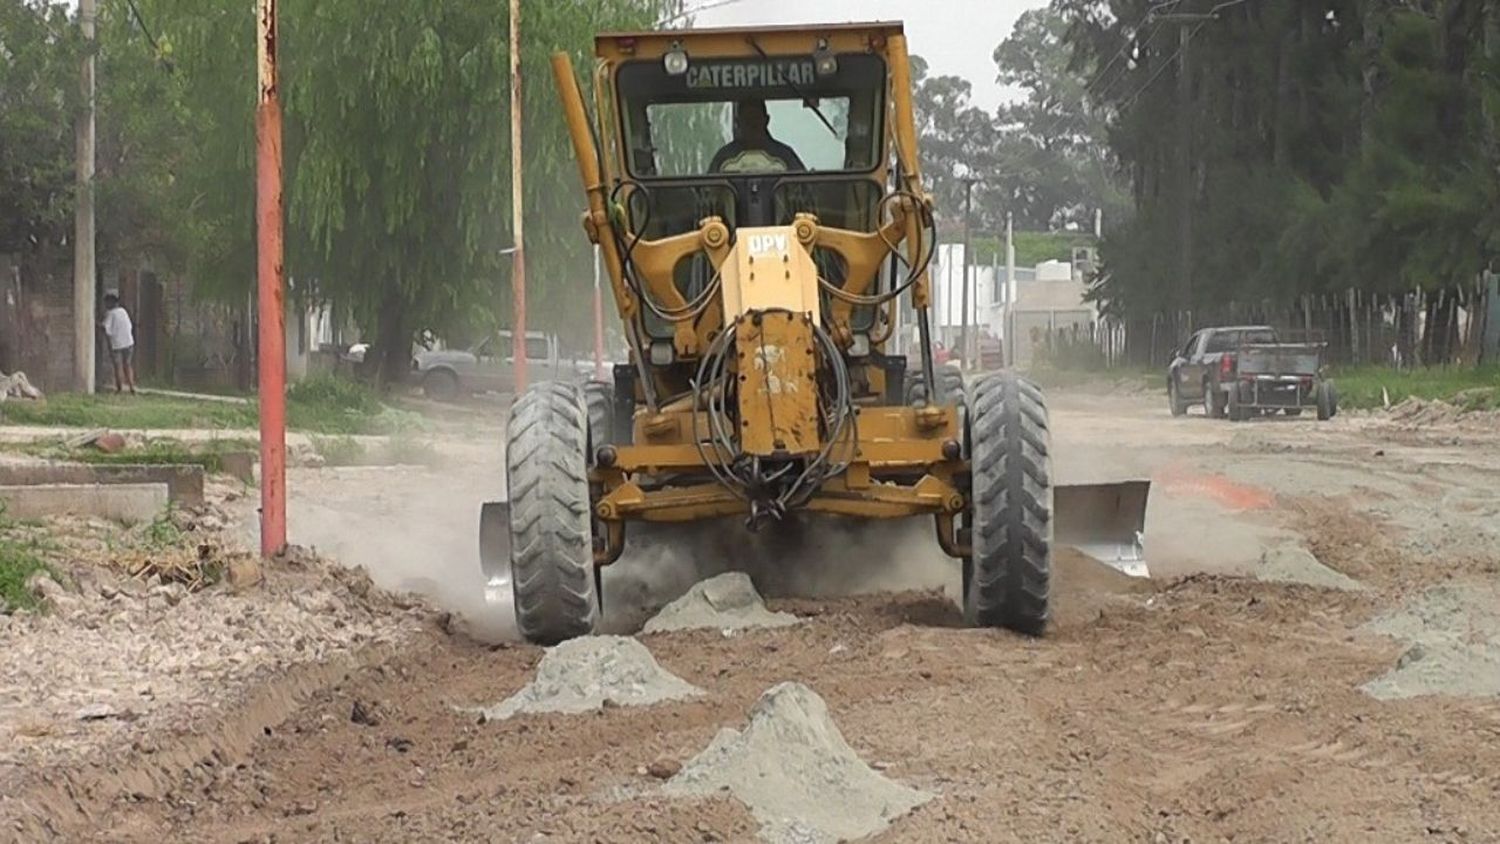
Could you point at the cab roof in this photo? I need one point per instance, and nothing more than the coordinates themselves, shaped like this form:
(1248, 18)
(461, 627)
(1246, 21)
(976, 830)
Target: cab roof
(730, 41)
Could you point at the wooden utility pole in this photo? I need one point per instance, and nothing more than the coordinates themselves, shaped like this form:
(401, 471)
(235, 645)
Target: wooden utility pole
(518, 258)
(1188, 25)
(271, 296)
(85, 332)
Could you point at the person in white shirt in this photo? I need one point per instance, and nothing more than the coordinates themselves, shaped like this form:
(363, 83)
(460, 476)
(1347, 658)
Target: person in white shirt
(121, 333)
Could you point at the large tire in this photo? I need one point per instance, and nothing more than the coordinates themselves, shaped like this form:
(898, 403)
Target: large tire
(599, 398)
(1174, 401)
(440, 385)
(950, 387)
(1008, 578)
(552, 550)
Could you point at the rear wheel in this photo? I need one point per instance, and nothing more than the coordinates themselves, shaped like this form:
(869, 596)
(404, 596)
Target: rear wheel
(1008, 577)
(600, 400)
(1214, 403)
(1328, 401)
(1237, 412)
(440, 385)
(950, 387)
(552, 554)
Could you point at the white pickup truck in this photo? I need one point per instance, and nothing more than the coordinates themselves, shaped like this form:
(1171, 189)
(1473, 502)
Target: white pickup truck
(489, 366)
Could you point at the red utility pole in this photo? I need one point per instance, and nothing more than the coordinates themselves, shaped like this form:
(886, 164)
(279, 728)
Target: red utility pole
(269, 270)
(518, 273)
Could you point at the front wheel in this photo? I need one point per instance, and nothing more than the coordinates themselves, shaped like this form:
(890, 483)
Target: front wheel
(1174, 400)
(551, 541)
(1008, 575)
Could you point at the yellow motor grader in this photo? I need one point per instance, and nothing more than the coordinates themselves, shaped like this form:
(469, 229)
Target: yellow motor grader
(756, 198)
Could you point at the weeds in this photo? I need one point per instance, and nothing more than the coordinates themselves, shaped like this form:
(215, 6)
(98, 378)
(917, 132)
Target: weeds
(339, 451)
(19, 560)
(1468, 388)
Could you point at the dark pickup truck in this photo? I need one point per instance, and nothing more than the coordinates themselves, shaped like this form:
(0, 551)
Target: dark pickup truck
(1240, 371)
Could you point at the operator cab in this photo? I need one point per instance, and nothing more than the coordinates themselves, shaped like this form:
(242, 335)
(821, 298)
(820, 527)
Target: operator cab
(754, 140)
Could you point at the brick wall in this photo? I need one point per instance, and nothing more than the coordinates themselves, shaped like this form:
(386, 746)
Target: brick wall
(36, 319)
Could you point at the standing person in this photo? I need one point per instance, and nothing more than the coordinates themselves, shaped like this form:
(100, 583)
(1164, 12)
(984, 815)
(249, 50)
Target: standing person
(121, 333)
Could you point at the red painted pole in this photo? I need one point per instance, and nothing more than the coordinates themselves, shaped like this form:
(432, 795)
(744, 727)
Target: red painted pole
(269, 270)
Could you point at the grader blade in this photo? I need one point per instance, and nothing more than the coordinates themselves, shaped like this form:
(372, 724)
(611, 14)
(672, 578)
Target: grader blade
(1104, 521)
(494, 551)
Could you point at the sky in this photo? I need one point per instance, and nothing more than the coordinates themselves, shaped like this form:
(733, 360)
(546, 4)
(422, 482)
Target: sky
(956, 37)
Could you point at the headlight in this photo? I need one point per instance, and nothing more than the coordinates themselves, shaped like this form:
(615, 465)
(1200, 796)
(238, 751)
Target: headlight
(662, 353)
(675, 62)
(859, 346)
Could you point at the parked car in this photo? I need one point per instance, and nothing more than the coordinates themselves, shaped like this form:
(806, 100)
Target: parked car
(1241, 370)
(489, 366)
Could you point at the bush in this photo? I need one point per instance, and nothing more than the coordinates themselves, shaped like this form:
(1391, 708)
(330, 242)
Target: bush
(334, 393)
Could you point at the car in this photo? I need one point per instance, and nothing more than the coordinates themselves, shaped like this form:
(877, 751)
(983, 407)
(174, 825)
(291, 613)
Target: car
(489, 366)
(1203, 369)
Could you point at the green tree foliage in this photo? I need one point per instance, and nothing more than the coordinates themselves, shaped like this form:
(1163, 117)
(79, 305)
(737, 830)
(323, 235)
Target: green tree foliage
(396, 149)
(39, 61)
(1334, 145)
(1042, 159)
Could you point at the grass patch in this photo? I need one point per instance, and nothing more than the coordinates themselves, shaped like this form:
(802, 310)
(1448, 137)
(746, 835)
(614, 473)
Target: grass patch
(322, 404)
(165, 451)
(1468, 388)
(339, 451)
(19, 560)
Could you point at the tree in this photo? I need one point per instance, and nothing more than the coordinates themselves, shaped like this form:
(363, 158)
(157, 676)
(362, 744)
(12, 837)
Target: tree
(396, 150)
(39, 53)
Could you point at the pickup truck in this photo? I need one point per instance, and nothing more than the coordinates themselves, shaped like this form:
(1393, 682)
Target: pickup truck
(488, 366)
(1244, 370)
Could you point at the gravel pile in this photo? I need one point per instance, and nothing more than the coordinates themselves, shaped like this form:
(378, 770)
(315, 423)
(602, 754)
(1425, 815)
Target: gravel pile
(581, 675)
(793, 769)
(1453, 631)
(726, 602)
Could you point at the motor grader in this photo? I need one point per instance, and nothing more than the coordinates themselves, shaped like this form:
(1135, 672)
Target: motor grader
(756, 198)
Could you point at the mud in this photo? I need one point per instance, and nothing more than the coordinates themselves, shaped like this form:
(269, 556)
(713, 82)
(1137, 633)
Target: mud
(592, 672)
(724, 602)
(794, 770)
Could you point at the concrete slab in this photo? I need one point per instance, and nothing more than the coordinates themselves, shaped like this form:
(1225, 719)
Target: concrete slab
(184, 482)
(129, 503)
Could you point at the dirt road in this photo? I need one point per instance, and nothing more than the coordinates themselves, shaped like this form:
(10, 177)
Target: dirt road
(1317, 658)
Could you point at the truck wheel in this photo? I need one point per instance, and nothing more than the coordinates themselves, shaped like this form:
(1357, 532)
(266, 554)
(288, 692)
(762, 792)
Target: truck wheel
(1328, 401)
(1008, 577)
(1237, 412)
(1174, 401)
(1213, 400)
(600, 400)
(552, 553)
(440, 385)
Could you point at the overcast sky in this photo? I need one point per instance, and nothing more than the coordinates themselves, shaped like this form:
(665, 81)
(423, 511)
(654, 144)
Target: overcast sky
(956, 37)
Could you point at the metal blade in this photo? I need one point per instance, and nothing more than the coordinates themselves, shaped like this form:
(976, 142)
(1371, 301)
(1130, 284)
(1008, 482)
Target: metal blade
(1104, 521)
(494, 550)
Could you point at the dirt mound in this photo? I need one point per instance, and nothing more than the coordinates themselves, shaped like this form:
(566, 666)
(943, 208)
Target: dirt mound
(582, 674)
(726, 602)
(794, 770)
(1295, 564)
(1454, 636)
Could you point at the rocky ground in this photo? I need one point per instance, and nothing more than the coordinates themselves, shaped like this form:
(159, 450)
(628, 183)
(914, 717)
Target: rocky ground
(1313, 659)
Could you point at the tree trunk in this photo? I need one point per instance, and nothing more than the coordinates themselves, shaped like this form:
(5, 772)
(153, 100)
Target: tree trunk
(392, 342)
